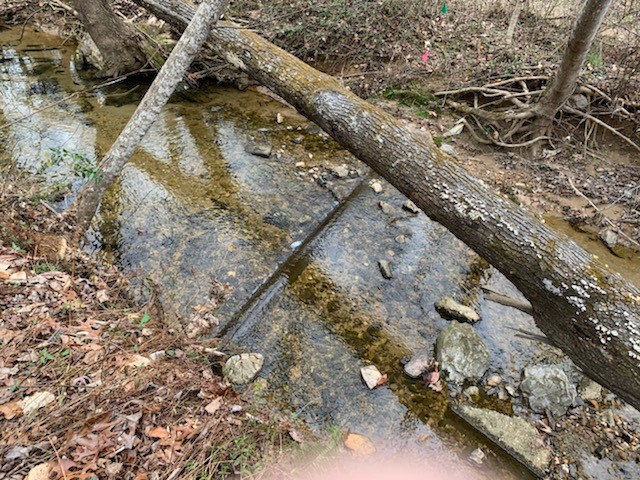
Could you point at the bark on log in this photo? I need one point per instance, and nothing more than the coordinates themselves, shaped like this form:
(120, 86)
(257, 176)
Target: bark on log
(592, 314)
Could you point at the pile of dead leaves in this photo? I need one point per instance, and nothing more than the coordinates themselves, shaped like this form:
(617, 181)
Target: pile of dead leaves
(91, 387)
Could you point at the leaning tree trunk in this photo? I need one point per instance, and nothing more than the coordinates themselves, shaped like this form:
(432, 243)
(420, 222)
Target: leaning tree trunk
(119, 46)
(149, 109)
(566, 78)
(591, 313)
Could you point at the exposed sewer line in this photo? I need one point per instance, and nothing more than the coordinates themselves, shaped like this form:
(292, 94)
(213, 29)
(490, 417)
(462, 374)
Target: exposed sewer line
(287, 272)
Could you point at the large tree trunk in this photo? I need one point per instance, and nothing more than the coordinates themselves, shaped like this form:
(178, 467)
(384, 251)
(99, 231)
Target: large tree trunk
(591, 313)
(149, 109)
(566, 78)
(119, 46)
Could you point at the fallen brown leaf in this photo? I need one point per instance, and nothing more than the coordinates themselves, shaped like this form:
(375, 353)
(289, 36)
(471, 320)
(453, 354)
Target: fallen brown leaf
(158, 432)
(40, 472)
(11, 410)
(214, 405)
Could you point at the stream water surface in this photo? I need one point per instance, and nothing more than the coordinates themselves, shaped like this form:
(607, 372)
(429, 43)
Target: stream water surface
(300, 253)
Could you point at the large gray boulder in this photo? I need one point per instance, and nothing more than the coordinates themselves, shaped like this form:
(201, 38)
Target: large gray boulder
(547, 387)
(462, 353)
(242, 369)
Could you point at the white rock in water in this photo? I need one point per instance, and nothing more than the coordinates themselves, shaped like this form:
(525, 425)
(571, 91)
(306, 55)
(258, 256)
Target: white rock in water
(341, 171)
(376, 186)
(242, 369)
(371, 375)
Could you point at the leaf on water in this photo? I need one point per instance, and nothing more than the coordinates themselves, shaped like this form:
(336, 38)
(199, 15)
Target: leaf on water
(359, 445)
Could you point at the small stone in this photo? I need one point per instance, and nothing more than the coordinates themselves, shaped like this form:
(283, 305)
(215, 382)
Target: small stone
(409, 206)
(371, 375)
(578, 101)
(609, 237)
(300, 164)
(242, 369)
(450, 309)
(471, 392)
(376, 186)
(279, 117)
(420, 362)
(298, 139)
(502, 393)
(448, 149)
(511, 390)
(155, 356)
(341, 171)
(401, 239)
(589, 390)
(138, 361)
(600, 451)
(259, 149)
(477, 456)
(385, 269)
(494, 381)
(295, 244)
(385, 207)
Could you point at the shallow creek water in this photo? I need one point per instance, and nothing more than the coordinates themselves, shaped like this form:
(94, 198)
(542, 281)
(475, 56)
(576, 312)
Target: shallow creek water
(301, 255)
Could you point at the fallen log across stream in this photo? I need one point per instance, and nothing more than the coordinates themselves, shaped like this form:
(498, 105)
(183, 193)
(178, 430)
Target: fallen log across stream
(589, 312)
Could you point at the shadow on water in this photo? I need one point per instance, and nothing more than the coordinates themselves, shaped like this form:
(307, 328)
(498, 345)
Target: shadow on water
(194, 205)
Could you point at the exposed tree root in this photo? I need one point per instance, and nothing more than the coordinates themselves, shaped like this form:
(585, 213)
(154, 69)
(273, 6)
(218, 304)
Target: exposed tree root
(510, 106)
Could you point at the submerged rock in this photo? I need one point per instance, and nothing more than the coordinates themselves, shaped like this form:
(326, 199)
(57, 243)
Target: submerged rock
(385, 207)
(449, 309)
(242, 369)
(385, 269)
(513, 434)
(376, 186)
(589, 390)
(259, 149)
(341, 171)
(409, 206)
(547, 387)
(461, 353)
(421, 362)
